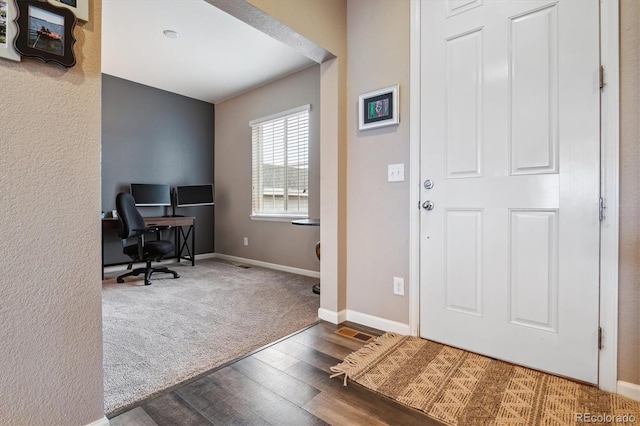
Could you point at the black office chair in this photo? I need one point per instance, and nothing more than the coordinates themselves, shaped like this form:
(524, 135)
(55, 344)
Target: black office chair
(133, 226)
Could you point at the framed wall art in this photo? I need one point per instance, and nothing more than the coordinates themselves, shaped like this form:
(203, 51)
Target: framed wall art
(46, 32)
(8, 30)
(379, 108)
(80, 8)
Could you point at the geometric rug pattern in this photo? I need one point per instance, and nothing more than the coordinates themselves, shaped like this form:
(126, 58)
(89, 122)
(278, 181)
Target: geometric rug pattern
(457, 387)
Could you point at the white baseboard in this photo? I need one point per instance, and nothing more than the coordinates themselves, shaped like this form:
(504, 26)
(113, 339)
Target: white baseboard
(363, 319)
(630, 390)
(299, 271)
(205, 256)
(332, 316)
(377, 322)
(100, 422)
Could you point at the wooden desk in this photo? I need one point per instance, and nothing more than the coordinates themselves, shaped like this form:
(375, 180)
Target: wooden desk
(181, 238)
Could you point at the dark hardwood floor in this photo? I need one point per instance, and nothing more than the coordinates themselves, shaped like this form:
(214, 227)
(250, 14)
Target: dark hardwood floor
(286, 383)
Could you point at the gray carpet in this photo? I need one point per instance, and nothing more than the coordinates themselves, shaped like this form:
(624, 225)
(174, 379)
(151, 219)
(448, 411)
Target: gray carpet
(160, 335)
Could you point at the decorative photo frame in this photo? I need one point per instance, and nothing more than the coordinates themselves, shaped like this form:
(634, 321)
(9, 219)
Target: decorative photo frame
(8, 30)
(379, 108)
(45, 32)
(80, 8)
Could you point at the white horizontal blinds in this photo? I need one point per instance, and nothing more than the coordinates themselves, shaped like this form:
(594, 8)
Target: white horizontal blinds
(280, 173)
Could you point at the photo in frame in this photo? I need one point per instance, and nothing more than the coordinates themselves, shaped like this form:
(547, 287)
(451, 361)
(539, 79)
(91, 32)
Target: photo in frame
(80, 8)
(8, 30)
(46, 32)
(379, 108)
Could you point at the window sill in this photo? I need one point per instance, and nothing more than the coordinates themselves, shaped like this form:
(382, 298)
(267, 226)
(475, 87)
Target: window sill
(277, 218)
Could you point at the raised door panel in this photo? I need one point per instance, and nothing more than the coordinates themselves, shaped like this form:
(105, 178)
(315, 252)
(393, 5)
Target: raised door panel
(533, 264)
(463, 261)
(533, 78)
(464, 105)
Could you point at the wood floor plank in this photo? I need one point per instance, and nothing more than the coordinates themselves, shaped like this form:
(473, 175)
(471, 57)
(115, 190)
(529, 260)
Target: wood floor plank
(320, 344)
(280, 383)
(275, 358)
(171, 409)
(265, 403)
(218, 406)
(333, 411)
(380, 407)
(134, 417)
(307, 354)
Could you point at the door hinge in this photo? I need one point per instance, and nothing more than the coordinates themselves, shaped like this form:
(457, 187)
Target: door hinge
(601, 76)
(602, 207)
(599, 337)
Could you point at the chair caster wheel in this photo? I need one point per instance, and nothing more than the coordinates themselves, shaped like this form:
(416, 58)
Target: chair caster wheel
(147, 283)
(176, 275)
(120, 280)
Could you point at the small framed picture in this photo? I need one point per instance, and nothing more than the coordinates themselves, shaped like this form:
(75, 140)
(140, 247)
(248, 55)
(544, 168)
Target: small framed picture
(379, 108)
(46, 32)
(80, 8)
(8, 30)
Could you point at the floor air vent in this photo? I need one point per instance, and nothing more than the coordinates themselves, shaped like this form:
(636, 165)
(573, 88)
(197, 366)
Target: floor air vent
(355, 334)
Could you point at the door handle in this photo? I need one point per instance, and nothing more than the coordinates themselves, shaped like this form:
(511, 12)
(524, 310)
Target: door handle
(428, 205)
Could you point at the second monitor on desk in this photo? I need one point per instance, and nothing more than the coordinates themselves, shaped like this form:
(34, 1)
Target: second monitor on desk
(149, 195)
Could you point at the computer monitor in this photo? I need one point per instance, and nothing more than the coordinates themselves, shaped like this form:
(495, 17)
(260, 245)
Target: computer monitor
(194, 195)
(151, 194)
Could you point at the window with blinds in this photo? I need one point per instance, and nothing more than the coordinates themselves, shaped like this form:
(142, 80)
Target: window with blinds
(280, 164)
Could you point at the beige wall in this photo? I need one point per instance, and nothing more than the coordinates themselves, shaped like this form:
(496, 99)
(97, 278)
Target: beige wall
(378, 213)
(295, 244)
(50, 302)
(629, 273)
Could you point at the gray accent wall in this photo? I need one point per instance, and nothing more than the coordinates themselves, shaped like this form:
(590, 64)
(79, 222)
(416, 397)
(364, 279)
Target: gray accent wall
(280, 243)
(153, 136)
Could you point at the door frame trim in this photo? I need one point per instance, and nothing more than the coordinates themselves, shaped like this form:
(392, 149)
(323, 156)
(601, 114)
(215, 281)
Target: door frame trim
(610, 185)
(610, 180)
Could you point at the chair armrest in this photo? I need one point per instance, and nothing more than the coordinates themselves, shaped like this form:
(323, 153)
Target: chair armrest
(153, 229)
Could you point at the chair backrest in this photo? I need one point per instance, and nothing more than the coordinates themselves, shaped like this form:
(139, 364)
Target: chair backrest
(129, 216)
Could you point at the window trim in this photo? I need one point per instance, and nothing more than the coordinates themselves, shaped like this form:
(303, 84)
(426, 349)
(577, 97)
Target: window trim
(291, 111)
(279, 217)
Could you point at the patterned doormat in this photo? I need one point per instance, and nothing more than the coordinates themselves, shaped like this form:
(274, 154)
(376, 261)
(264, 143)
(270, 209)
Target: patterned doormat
(462, 388)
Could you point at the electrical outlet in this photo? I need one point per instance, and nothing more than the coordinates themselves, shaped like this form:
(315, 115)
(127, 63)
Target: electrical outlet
(395, 172)
(246, 241)
(398, 286)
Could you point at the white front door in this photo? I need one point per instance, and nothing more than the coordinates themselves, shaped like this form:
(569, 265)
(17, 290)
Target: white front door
(510, 138)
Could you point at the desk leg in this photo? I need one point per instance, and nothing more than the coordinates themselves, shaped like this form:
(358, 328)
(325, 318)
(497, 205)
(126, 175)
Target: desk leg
(193, 243)
(176, 241)
(180, 245)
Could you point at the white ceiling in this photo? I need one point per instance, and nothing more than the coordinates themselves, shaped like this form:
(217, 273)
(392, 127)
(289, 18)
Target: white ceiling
(215, 57)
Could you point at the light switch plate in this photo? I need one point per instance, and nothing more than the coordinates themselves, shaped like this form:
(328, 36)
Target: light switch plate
(395, 172)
